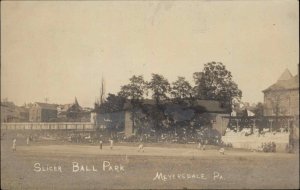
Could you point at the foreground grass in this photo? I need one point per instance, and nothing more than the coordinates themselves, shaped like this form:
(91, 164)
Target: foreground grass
(175, 170)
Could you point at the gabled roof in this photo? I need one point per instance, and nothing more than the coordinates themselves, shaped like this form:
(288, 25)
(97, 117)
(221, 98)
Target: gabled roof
(8, 104)
(22, 109)
(65, 107)
(292, 83)
(211, 106)
(75, 107)
(128, 105)
(46, 106)
(286, 75)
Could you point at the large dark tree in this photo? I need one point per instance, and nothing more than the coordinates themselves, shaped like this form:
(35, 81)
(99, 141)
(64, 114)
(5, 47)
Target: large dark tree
(181, 89)
(181, 93)
(110, 111)
(134, 92)
(259, 116)
(215, 83)
(113, 103)
(160, 88)
(259, 110)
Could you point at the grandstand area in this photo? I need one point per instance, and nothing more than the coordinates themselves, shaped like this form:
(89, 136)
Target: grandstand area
(256, 140)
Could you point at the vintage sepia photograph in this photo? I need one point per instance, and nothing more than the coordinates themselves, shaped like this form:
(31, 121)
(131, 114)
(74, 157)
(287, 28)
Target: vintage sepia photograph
(149, 94)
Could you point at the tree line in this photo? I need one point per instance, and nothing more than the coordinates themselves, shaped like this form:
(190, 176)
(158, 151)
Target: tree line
(214, 82)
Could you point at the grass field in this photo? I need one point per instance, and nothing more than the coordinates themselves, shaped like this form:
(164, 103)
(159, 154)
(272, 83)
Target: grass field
(181, 167)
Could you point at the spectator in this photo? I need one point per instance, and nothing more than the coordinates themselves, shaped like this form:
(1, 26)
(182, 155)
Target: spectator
(27, 141)
(199, 146)
(222, 151)
(141, 147)
(14, 148)
(273, 147)
(101, 144)
(111, 144)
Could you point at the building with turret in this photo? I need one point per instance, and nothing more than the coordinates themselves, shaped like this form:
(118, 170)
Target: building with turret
(282, 97)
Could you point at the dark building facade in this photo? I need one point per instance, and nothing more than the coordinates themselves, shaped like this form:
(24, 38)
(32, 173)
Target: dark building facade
(42, 112)
(210, 112)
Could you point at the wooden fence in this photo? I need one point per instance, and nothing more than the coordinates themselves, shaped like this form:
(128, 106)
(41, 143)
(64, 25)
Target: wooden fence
(79, 126)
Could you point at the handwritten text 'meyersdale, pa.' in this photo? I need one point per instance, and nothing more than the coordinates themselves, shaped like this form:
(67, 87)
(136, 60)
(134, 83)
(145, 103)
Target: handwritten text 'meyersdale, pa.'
(186, 176)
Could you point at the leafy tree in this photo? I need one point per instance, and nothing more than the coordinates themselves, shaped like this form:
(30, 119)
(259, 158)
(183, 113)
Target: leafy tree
(215, 82)
(197, 89)
(259, 110)
(113, 103)
(110, 109)
(259, 116)
(181, 89)
(160, 88)
(134, 92)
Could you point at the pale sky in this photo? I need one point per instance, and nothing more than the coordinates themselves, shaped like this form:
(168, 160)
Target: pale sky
(61, 49)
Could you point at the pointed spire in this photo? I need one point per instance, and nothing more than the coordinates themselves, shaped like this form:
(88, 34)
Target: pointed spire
(102, 90)
(76, 102)
(286, 75)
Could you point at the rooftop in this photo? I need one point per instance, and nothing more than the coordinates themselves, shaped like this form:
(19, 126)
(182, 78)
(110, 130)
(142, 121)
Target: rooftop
(285, 82)
(46, 106)
(211, 106)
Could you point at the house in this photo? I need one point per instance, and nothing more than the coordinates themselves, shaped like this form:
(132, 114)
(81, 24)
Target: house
(42, 112)
(62, 111)
(23, 113)
(12, 113)
(73, 112)
(243, 109)
(282, 97)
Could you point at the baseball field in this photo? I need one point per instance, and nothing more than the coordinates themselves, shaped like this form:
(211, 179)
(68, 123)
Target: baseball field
(70, 166)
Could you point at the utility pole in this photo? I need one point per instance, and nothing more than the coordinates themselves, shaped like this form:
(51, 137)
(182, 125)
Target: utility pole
(46, 99)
